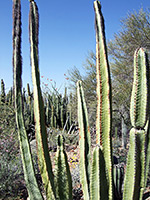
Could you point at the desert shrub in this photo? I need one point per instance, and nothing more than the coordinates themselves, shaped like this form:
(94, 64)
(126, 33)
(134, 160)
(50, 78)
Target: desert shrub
(11, 174)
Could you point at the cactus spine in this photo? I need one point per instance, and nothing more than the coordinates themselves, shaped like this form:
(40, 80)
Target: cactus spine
(135, 173)
(29, 174)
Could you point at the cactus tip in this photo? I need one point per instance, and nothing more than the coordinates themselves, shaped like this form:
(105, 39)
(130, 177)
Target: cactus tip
(60, 140)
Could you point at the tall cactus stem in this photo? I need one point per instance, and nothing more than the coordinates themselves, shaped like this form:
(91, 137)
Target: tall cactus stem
(139, 111)
(134, 182)
(3, 95)
(63, 175)
(139, 96)
(29, 173)
(104, 118)
(84, 142)
(98, 181)
(41, 134)
(147, 154)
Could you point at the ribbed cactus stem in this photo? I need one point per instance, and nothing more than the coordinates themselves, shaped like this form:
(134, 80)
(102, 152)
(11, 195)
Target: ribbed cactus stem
(139, 97)
(134, 182)
(28, 89)
(47, 112)
(70, 111)
(135, 175)
(147, 155)
(118, 177)
(84, 142)
(29, 173)
(52, 115)
(41, 134)
(10, 96)
(98, 182)
(104, 111)
(3, 95)
(63, 175)
(65, 101)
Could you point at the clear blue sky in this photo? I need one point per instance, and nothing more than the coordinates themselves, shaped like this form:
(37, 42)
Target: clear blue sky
(66, 34)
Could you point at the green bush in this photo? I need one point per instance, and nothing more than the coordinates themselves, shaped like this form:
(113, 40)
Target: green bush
(11, 173)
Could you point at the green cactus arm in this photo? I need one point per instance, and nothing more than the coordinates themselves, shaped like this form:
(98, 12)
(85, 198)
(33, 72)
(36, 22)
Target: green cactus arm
(118, 177)
(139, 97)
(47, 114)
(129, 181)
(84, 142)
(147, 154)
(98, 182)
(134, 182)
(63, 175)
(41, 134)
(3, 95)
(28, 89)
(104, 118)
(29, 173)
(140, 165)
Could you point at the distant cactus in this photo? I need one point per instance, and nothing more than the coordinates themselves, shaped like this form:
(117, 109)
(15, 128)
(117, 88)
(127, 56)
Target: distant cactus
(10, 96)
(118, 177)
(3, 95)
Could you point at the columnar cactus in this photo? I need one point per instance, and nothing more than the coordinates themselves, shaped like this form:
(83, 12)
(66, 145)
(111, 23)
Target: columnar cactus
(104, 110)
(63, 175)
(48, 111)
(29, 173)
(40, 128)
(10, 96)
(94, 188)
(52, 184)
(101, 185)
(30, 104)
(84, 142)
(118, 174)
(96, 176)
(134, 184)
(3, 95)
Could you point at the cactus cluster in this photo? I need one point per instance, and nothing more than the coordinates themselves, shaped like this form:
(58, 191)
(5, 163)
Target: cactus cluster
(51, 182)
(58, 110)
(100, 178)
(6, 97)
(137, 162)
(97, 179)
